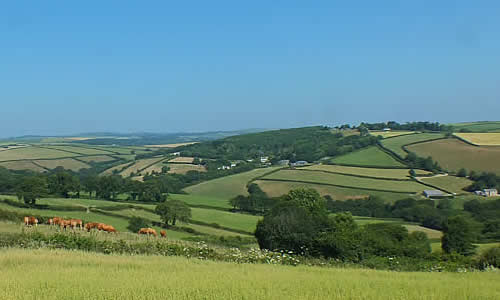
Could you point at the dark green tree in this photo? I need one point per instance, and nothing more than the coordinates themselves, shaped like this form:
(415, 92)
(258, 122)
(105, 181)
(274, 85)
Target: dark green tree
(137, 223)
(32, 188)
(458, 236)
(172, 211)
(462, 172)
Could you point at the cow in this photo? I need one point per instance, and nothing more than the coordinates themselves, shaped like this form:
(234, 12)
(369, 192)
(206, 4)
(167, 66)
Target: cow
(76, 223)
(56, 221)
(108, 228)
(90, 225)
(100, 226)
(163, 234)
(50, 221)
(30, 221)
(64, 224)
(148, 231)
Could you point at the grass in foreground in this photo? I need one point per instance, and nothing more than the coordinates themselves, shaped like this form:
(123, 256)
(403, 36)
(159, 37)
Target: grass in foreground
(80, 275)
(371, 156)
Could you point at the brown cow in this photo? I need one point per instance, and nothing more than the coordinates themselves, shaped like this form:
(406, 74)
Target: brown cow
(108, 228)
(76, 223)
(100, 226)
(90, 225)
(56, 220)
(30, 221)
(64, 224)
(163, 234)
(148, 231)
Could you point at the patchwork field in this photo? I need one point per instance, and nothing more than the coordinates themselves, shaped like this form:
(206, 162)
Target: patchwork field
(227, 219)
(491, 126)
(453, 154)
(170, 145)
(184, 168)
(371, 156)
(372, 172)
(389, 134)
(396, 144)
(229, 186)
(280, 188)
(79, 150)
(67, 163)
(118, 168)
(449, 183)
(140, 165)
(30, 153)
(98, 158)
(347, 181)
(22, 165)
(481, 139)
(24, 276)
(182, 159)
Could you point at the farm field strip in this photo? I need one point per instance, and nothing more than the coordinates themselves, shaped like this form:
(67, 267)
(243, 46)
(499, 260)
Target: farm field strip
(98, 158)
(481, 139)
(396, 144)
(370, 172)
(24, 276)
(184, 168)
(22, 165)
(347, 181)
(182, 159)
(371, 156)
(67, 163)
(198, 200)
(33, 153)
(390, 134)
(141, 164)
(76, 149)
(491, 126)
(449, 183)
(231, 220)
(453, 154)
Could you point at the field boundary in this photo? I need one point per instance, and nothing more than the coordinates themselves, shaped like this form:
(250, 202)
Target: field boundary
(465, 141)
(420, 142)
(354, 175)
(217, 226)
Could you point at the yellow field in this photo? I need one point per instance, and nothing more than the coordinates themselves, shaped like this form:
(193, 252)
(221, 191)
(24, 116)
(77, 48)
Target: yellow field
(22, 165)
(184, 168)
(50, 274)
(170, 145)
(67, 163)
(481, 139)
(139, 165)
(388, 134)
(182, 159)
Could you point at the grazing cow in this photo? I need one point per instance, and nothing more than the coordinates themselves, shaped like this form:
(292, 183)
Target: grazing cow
(56, 220)
(50, 222)
(90, 225)
(76, 223)
(100, 226)
(163, 234)
(30, 221)
(64, 224)
(108, 228)
(148, 231)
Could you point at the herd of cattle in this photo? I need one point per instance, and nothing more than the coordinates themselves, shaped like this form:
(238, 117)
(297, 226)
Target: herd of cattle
(78, 224)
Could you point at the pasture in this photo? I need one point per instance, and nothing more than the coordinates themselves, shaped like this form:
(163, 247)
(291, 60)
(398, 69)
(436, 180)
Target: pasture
(487, 126)
(198, 200)
(140, 165)
(32, 153)
(280, 188)
(346, 181)
(396, 144)
(227, 219)
(175, 145)
(96, 158)
(83, 275)
(371, 156)
(79, 150)
(453, 154)
(67, 163)
(481, 139)
(449, 183)
(371, 172)
(390, 134)
(182, 159)
(228, 187)
(184, 168)
(22, 165)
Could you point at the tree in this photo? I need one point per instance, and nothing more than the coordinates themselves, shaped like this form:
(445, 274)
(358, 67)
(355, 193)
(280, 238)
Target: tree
(32, 188)
(413, 173)
(462, 173)
(457, 236)
(62, 183)
(173, 210)
(137, 223)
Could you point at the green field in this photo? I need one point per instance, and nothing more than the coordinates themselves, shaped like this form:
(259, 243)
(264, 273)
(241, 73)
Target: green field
(184, 168)
(371, 172)
(453, 154)
(481, 139)
(396, 144)
(139, 165)
(22, 165)
(67, 163)
(228, 187)
(347, 181)
(82, 275)
(98, 158)
(371, 156)
(30, 153)
(197, 200)
(449, 183)
(227, 219)
(80, 150)
(491, 126)
(390, 134)
(280, 188)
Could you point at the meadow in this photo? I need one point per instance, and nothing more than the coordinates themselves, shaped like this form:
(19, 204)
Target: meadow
(67, 163)
(280, 188)
(346, 181)
(453, 154)
(390, 134)
(371, 156)
(33, 153)
(22, 165)
(449, 183)
(96, 158)
(184, 168)
(79, 150)
(481, 139)
(396, 144)
(24, 276)
(199, 200)
(370, 172)
(140, 165)
(228, 187)
(236, 221)
(490, 126)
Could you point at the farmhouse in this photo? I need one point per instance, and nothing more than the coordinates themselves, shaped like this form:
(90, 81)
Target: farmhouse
(176, 153)
(264, 159)
(487, 192)
(433, 193)
(283, 162)
(299, 163)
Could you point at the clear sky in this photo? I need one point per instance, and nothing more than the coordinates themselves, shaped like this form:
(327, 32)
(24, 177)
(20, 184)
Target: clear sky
(170, 66)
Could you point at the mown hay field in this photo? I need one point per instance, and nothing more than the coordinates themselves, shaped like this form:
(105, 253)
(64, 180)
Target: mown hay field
(22, 165)
(372, 172)
(279, 188)
(481, 139)
(97, 158)
(453, 154)
(389, 134)
(182, 159)
(396, 144)
(140, 165)
(80, 150)
(30, 153)
(83, 275)
(67, 163)
(184, 168)
(229, 186)
(347, 181)
(371, 156)
(450, 183)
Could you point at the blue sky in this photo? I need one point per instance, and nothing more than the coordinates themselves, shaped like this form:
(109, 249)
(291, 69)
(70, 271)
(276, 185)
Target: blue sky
(167, 66)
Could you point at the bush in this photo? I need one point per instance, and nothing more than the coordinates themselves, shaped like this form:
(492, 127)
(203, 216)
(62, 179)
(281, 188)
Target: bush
(136, 223)
(491, 257)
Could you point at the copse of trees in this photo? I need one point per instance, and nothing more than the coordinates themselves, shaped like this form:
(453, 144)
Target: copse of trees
(257, 200)
(412, 126)
(173, 211)
(416, 162)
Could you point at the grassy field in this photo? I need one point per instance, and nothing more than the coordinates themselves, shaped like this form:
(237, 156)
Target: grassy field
(279, 188)
(22, 165)
(81, 275)
(182, 159)
(227, 219)
(371, 156)
(491, 126)
(372, 172)
(184, 168)
(197, 200)
(67, 163)
(170, 145)
(450, 183)
(481, 139)
(28, 153)
(140, 165)
(98, 158)
(229, 186)
(389, 134)
(396, 144)
(348, 181)
(80, 150)
(453, 154)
